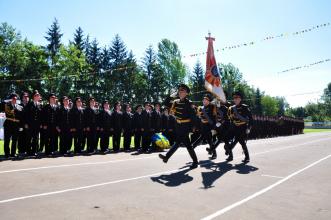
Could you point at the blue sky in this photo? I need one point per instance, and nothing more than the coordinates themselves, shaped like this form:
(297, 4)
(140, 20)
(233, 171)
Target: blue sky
(187, 22)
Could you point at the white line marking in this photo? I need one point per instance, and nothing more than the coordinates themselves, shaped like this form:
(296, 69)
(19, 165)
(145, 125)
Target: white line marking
(74, 164)
(234, 205)
(119, 181)
(134, 159)
(279, 177)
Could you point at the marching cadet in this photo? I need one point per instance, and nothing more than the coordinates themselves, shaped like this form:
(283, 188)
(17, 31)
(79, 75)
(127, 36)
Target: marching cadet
(127, 127)
(22, 136)
(78, 125)
(64, 126)
(196, 134)
(105, 122)
(156, 123)
(147, 125)
(11, 125)
(222, 129)
(138, 127)
(241, 120)
(168, 125)
(185, 116)
(49, 122)
(90, 119)
(33, 114)
(207, 115)
(117, 119)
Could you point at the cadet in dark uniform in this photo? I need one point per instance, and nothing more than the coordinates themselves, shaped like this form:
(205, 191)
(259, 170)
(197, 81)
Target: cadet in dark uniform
(241, 120)
(156, 123)
(196, 133)
(11, 125)
(49, 122)
(22, 136)
(64, 126)
(33, 114)
(185, 116)
(138, 127)
(127, 127)
(78, 125)
(90, 118)
(222, 129)
(168, 125)
(147, 123)
(105, 118)
(207, 116)
(117, 126)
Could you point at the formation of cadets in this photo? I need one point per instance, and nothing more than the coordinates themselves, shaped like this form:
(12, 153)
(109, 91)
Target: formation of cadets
(53, 128)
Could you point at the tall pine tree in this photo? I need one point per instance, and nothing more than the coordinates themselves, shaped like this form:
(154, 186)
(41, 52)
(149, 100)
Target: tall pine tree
(197, 81)
(54, 40)
(79, 41)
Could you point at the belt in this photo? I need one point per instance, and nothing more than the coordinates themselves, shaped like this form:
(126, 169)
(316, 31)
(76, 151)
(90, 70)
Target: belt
(183, 121)
(12, 119)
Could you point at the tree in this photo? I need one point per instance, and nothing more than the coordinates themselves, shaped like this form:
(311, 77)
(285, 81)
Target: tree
(54, 40)
(231, 77)
(169, 59)
(197, 81)
(270, 105)
(79, 41)
(118, 55)
(282, 105)
(258, 102)
(156, 85)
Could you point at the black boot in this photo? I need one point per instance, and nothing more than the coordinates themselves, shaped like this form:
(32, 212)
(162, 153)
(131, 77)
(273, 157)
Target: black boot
(214, 155)
(244, 147)
(164, 158)
(194, 165)
(194, 158)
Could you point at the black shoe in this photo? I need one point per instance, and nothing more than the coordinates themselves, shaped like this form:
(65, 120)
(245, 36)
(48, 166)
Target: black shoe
(213, 156)
(226, 152)
(163, 158)
(229, 159)
(209, 150)
(246, 160)
(194, 165)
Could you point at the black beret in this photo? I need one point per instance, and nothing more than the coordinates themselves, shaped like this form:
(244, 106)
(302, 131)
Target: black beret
(105, 102)
(138, 106)
(78, 98)
(237, 93)
(35, 92)
(208, 96)
(51, 95)
(183, 86)
(13, 95)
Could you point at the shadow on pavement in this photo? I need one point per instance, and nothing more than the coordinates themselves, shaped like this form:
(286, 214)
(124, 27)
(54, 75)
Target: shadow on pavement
(174, 179)
(217, 170)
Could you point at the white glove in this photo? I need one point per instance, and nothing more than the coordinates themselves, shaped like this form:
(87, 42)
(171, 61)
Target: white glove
(218, 124)
(248, 131)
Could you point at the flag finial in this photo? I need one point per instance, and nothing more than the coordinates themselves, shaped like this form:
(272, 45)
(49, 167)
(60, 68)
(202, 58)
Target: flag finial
(209, 36)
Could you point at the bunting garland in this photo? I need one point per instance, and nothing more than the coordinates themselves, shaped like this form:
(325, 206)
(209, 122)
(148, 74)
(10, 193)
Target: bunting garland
(305, 66)
(272, 37)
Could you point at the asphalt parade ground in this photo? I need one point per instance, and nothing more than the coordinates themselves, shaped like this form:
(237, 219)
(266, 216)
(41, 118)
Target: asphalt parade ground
(287, 178)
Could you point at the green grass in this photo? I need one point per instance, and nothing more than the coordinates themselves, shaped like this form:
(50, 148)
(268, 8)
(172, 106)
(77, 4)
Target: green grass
(312, 130)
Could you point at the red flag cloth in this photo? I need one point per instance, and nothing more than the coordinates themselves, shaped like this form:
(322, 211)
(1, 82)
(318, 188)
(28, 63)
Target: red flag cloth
(213, 82)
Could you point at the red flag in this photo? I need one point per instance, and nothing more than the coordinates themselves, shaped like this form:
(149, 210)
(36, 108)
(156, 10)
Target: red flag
(213, 82)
